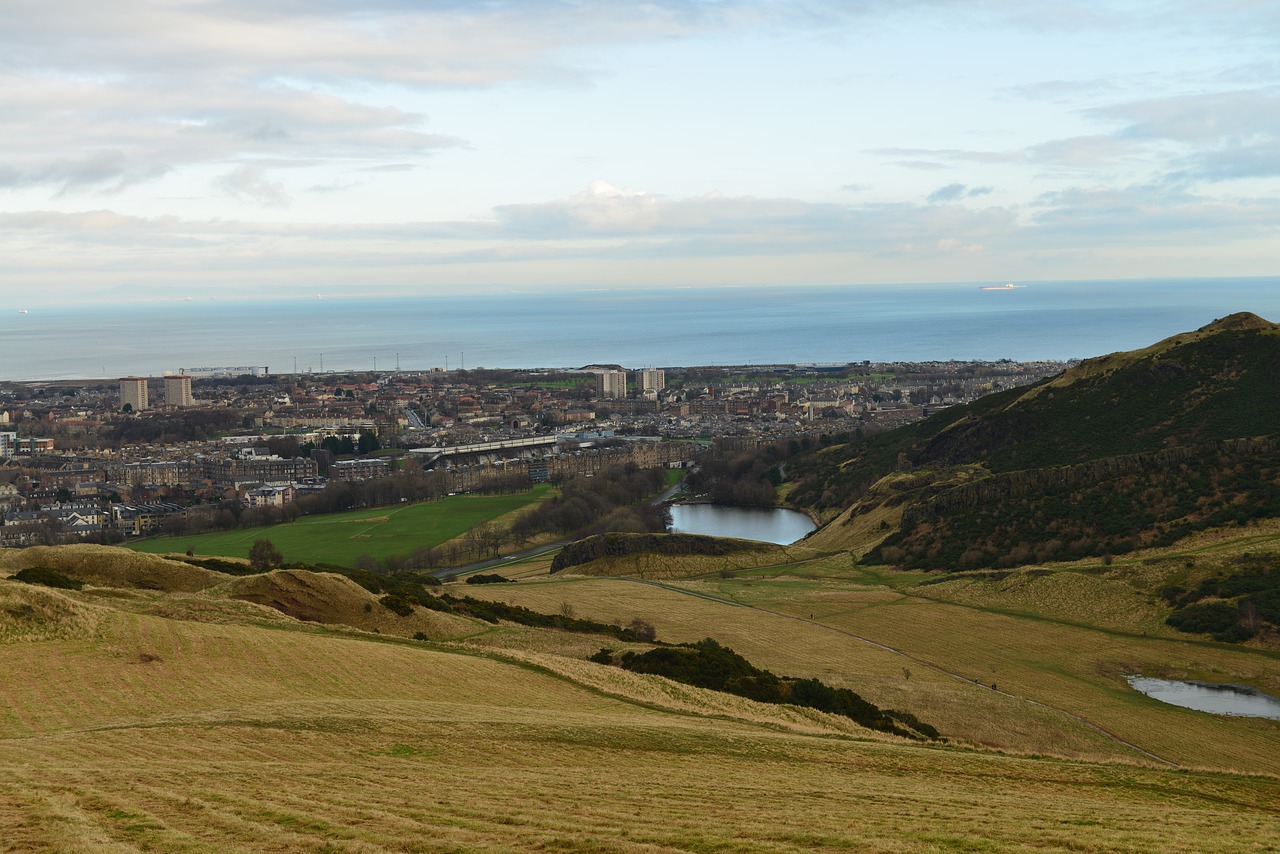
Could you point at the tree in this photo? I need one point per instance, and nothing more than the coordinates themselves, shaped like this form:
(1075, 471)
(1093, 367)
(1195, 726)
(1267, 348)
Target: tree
(368, 442)
(263, 555)
(643, 630)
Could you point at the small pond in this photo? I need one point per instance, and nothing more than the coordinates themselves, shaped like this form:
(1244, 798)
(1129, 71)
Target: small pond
(766, 524)
(1207, 697)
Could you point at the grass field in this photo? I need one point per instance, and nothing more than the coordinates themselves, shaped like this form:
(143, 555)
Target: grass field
(1069, 660)
(122, 731)
(340, 538)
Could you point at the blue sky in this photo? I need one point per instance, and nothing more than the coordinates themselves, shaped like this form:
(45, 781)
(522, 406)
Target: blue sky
(231, 148)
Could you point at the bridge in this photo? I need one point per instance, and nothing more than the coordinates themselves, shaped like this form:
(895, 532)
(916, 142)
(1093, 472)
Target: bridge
(429, 456)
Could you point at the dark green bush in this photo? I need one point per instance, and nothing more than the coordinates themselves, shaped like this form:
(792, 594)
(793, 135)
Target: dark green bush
(398, 604)
(707, 664)
(1220, 619)
(48, 578)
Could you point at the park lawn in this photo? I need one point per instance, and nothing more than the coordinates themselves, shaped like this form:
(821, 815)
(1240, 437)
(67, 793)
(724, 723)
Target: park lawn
(340, 538)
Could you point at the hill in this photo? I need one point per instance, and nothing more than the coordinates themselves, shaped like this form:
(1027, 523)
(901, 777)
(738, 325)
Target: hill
(110, 566)
(122, 729)
(1121, 452)
(323, 597)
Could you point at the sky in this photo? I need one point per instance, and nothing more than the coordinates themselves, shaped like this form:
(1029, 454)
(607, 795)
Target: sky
(196, 149)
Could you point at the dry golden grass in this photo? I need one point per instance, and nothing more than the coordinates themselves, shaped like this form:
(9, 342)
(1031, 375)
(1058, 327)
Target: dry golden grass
(1070, 668)
(29, 613)
(1081, 671)
(674, 696)
(1105, 602)
(657, 566)
(960, 710)
(109, 566)
(170, 735)
(325, 597)
(857, 533)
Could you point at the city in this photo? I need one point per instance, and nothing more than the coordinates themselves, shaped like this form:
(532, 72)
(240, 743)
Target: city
(216, 448)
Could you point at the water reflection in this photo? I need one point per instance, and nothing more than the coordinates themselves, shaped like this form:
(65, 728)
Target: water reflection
(768, 525)
(1207, 697)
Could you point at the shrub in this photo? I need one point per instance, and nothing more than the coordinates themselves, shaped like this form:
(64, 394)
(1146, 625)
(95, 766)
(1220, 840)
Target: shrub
(397, 604)
(48, 578)
(1219, 619)
(707, 664)
(492, 578)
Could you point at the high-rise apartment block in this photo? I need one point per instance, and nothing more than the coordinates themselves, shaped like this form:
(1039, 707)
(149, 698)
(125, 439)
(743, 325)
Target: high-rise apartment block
(133, 393)
(177, 392)
(8, 444)
(611, 384)
(652, 380)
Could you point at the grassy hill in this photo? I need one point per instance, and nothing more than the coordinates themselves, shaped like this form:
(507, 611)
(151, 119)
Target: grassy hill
(1122, 452)
(188, 721)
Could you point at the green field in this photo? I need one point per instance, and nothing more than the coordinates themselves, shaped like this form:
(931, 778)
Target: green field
(340, 538)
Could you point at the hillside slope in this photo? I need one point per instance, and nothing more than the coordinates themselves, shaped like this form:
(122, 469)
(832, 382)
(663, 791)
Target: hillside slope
(143, 733)
(1120, 452)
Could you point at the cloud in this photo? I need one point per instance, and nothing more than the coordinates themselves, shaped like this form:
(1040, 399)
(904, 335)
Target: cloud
(921, 165)
(111, 170)
(1232, 162)
(1198, 118)
(1149, 214)
(250, 182)
(95, 135)
(611, 234)
(949, 193)
(956, 192)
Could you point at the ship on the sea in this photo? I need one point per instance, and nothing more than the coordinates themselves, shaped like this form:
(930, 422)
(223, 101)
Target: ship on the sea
(1007, 286)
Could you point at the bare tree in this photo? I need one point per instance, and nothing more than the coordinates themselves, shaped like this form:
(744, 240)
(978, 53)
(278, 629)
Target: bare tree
(263, 555)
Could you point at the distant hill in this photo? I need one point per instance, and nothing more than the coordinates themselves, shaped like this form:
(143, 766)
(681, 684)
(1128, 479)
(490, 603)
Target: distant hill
(1120, 452)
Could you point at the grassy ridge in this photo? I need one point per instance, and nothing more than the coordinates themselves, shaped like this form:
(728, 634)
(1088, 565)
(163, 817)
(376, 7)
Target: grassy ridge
(340, 538)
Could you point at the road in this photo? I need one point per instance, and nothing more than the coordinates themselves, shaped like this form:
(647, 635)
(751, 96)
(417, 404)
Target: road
(491, 563)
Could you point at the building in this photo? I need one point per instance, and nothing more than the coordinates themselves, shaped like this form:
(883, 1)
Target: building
(8, 444)
(360, 469)
(611, 384)
(137, 519)
(177, 392)
(651, 381)
(157, 473)
(264, 471)
(133, 393)
(271, 496)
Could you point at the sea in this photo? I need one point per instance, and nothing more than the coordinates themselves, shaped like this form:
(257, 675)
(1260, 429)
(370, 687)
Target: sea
(634, 328)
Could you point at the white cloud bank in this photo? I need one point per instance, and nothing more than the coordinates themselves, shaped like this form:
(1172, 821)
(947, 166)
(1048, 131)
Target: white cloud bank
(395, 144)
